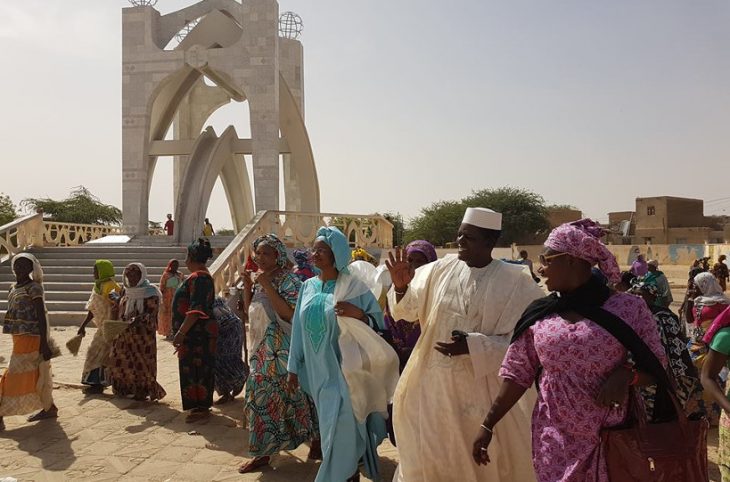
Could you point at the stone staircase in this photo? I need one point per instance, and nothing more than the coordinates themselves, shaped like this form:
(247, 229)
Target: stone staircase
(69, 275)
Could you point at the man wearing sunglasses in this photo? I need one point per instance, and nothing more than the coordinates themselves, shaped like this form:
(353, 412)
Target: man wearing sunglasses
(468, 305)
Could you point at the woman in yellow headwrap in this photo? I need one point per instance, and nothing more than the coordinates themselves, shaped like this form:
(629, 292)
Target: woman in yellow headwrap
(101, 305)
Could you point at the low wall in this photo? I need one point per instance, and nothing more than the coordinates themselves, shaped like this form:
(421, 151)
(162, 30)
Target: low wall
(666, 254)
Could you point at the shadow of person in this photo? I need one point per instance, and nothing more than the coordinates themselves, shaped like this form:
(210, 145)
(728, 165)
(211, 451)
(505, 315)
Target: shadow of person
(47, 441)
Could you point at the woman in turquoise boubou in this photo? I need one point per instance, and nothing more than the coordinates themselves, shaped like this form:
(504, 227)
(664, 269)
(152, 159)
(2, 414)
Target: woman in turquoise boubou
(350, 383)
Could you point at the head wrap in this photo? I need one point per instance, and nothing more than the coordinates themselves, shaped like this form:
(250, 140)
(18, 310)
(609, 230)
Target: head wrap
(105, 273)
(337, 242)
(138, 293)
(653, 262)
(169, 265)
(712, 293)
(638, 285)
(423, 247)
(37, 274)
(301, 256)
(200, 250)
(273, 242)
(582, 239)
(359, 254)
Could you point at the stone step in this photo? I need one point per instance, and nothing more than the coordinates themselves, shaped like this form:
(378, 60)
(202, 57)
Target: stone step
(114, 256)
(52, 286)
(81, 270)
(119, 263)
(56, 305)
(60, 318)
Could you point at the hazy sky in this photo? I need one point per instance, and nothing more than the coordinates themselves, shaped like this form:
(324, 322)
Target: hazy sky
(410, 102)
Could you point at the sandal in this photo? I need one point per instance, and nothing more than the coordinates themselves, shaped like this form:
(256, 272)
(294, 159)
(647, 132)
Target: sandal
(315, 451)
(254, 465)
(197, 415)
(93, 390)
(44, 414)
(224, 399)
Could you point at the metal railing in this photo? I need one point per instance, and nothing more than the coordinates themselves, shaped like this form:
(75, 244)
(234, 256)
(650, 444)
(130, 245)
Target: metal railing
(297, 229)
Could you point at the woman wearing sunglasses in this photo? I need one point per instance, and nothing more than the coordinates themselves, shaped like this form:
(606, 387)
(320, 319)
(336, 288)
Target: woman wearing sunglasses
(580, 368)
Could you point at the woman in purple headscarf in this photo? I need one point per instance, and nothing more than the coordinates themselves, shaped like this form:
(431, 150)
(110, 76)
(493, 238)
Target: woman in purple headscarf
(580, 368)
(405, 333)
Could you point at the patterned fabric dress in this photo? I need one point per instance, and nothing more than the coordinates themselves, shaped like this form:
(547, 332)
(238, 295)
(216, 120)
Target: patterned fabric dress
(721, 344)
(197, 354)
(689, 388)
(277, 419)
(698, 352)
(230, 370)
(169, 284)
(96, 371)
(133, 357)
(26, 384)
(576, 359)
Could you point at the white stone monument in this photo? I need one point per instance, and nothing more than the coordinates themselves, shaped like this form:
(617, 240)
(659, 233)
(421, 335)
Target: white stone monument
(239, 47)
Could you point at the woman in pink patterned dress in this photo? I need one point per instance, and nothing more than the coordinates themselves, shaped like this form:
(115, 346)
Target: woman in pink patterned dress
(581, 369)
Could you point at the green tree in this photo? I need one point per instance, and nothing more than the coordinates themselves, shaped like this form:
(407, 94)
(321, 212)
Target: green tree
(399, 231)
(225, 232)
(437, 223)
(7, 210)
(524, 215)
(80, 207)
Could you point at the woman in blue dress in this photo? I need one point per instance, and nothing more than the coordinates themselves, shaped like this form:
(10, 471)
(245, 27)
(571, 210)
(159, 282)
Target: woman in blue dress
(350, 428)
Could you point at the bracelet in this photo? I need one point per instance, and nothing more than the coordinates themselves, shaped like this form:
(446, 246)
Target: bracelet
(491, 432)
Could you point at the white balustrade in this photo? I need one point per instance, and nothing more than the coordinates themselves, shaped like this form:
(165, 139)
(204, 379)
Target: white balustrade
(297, 229)
(21, 234)
(71, 234)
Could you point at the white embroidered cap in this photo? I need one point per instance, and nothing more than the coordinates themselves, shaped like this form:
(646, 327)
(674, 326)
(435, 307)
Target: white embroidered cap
(483, 218)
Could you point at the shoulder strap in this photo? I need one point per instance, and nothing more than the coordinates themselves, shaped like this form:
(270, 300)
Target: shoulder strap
(642, 354)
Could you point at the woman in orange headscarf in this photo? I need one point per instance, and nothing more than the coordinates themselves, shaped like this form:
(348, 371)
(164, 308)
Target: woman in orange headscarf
(169, 282)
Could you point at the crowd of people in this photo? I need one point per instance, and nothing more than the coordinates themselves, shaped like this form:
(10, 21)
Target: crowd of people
(463, 361)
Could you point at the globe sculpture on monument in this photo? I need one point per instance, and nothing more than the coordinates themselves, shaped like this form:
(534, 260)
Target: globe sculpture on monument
(248, 53)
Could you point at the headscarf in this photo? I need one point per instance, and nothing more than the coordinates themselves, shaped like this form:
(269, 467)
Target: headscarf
(582, 239)
(301, 256)
(168, 269)
(423, 247)
(105, 272)
(359, 254)
(722, 321)
(337, 242)
(272, 241)
(640, 267)
(141, 291)
(37, 274)
(712, 293)
(638, 285)
(200, 250)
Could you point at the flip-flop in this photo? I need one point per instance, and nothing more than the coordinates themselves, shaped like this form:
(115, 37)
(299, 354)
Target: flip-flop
(253, 465)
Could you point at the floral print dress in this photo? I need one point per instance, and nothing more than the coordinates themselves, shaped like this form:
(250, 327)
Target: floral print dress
(277, 418)
(576, 358)
(196, 356)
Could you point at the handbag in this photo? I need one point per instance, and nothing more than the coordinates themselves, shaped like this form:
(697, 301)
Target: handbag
(671, 447)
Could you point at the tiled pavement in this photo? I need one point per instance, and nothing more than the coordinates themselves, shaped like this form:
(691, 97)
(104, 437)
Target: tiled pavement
(106, 438)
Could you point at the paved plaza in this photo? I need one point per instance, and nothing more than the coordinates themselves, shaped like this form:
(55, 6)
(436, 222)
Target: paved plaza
(107, 438)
